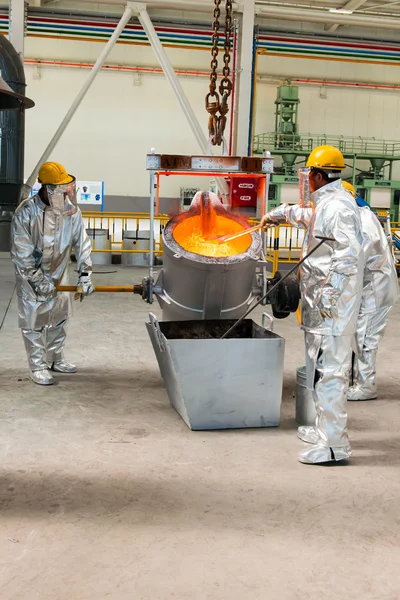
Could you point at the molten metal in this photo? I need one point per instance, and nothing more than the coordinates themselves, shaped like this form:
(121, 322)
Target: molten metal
(195, 229)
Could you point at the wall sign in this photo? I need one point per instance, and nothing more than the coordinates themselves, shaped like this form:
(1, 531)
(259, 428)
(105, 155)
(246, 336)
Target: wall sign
(87, 192)
(90, 192)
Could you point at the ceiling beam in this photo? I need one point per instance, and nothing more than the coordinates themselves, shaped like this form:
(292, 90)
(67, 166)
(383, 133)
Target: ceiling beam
(201, 5)
(351, 5)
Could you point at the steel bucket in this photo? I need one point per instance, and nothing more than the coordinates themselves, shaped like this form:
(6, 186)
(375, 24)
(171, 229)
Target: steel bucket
(220, 384)
(305, 407)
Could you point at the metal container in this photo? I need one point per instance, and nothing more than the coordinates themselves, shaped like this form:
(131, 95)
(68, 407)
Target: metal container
(220, 384)
(12, 141)
(136, 240)
(100, 239)
(192, 286)
(305, 407)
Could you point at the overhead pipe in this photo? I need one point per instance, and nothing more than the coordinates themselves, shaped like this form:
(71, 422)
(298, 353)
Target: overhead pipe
(252, 97)
(123, 68)
(92, 75)
(175, 84)
(197, 5)
(326, 17)
(245, 81)
(261, 78)
(347, 84)
(233, 93)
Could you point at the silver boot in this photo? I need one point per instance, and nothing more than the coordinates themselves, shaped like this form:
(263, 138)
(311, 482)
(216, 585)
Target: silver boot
(308, 434)
(62, 366)
(42, 377)
(320, 454)
(356, 392)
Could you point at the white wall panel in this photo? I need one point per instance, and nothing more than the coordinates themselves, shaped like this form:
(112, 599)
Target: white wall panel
(119, 122)
(114, 128)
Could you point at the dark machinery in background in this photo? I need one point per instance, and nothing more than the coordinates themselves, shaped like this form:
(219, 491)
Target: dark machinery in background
(13, 103)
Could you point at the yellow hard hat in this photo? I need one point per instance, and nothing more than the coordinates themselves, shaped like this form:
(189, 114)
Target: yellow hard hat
(326, 158)
(53, 173)
(350, 188)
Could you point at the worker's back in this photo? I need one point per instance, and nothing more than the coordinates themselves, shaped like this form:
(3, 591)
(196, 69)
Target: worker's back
(380, 279)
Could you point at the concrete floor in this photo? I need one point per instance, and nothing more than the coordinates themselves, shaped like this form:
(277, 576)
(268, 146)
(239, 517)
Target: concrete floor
(105, 493)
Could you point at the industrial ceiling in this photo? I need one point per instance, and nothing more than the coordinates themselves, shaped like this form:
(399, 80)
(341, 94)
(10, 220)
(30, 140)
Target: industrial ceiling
(382, 16)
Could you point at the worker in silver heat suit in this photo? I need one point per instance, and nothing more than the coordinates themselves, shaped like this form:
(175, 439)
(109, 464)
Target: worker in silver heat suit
(331, 285)
(380, 293)
(45, 228)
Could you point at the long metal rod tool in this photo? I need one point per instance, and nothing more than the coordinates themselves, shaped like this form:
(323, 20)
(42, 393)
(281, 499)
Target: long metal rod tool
(232, 236)
(103, 288)
(318, 237)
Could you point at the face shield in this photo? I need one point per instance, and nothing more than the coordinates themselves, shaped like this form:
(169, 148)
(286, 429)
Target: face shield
(331, 175)
(62, 198)
(304, 187)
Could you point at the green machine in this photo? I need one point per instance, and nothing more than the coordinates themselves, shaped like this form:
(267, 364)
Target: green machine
(375, 185)
(379, 189)
(284, 181)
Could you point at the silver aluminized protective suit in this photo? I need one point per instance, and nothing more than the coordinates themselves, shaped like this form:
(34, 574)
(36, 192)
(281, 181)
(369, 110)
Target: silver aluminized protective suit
(331, 283)
(380, 292)
(42, 241)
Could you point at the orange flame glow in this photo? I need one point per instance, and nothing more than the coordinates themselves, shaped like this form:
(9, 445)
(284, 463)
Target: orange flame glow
(193, 232)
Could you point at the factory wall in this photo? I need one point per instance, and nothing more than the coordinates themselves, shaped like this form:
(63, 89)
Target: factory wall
(124, 115)
(334, 110)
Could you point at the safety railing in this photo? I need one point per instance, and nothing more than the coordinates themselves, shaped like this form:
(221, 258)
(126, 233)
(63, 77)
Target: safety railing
(118, 223)
(306, 142)
(284, 243)
(395, 229)
(282, 247)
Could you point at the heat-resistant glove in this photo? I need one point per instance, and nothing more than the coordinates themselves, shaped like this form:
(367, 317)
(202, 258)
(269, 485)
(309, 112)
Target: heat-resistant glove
(84, 287)
(327, 307)
(44, 289)
(275, 216)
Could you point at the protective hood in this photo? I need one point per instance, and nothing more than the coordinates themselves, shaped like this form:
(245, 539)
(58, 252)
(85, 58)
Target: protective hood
(62, 198)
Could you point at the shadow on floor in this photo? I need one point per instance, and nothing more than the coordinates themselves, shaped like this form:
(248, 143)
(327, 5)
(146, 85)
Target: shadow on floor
(171, 498)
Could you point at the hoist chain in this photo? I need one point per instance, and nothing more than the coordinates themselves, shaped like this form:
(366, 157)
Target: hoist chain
(217, 104)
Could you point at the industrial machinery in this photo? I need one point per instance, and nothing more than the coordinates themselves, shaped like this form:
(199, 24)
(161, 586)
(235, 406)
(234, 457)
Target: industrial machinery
(204, 286)
(13, 103)
(202, 283)
(286, 144)
(376, 185)
(219, 372)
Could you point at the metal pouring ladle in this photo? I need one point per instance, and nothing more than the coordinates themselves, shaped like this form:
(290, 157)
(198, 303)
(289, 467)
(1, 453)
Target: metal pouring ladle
(318, 237)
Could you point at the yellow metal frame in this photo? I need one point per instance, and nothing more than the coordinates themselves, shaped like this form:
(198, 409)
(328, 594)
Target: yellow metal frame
(283, 245)
(108, 222)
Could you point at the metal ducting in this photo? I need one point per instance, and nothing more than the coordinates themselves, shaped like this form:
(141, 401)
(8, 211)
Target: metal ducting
(12, 136)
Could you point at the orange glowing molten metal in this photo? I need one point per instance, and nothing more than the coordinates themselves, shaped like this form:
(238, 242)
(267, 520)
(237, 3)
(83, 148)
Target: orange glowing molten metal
(194, 230)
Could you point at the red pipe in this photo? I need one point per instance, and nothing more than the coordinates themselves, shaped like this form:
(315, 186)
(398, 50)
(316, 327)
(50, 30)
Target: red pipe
(372, 86)
(83, 65)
